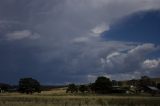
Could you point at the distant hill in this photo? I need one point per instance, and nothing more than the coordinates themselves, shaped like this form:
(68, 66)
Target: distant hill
(4, 84)
(135, 81)
(51, 87)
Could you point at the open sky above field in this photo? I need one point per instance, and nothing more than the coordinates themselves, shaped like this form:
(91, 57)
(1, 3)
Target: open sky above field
(63, 41)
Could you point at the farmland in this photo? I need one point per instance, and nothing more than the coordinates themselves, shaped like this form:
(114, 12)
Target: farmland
(58, 97)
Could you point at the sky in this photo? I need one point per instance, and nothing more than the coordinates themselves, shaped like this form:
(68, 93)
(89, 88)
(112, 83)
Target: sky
(75, 41)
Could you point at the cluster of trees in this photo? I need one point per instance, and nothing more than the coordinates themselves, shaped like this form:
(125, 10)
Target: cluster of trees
(4, 87)
(104, 85)
(72, 88)
(145, 81)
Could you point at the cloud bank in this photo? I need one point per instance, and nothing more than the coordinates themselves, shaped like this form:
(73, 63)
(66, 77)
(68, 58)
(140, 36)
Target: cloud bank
(67, 43)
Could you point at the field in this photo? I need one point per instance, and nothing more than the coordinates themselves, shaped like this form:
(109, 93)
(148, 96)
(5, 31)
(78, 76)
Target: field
(60, 98)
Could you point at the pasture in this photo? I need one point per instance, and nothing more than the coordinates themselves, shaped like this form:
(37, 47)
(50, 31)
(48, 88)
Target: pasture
(58, 97)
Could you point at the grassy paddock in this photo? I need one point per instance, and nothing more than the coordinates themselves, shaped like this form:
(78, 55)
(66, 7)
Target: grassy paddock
(59, 98)
(31, 100)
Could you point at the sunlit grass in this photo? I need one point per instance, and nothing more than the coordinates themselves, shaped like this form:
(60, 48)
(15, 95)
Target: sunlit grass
(60, 98)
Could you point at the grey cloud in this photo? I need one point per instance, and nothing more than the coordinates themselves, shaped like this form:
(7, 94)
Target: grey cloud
(129, 62)
(18, 35)
(66, 48)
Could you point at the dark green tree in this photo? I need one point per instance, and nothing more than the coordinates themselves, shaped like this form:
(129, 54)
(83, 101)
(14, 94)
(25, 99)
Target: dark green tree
(72, 88)
(146, 81)
(103, 85)
(158, 85)
(29, 85)
(83, 88)
(4, 87)
(91, 87)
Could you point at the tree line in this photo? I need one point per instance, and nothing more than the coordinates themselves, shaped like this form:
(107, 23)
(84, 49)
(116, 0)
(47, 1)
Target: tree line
(102, 85)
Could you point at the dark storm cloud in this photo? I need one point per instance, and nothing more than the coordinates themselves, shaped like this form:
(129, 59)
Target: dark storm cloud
(58, 41)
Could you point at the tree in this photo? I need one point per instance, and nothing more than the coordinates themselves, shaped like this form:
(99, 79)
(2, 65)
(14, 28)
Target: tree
(83, 88)
(146, 81)
(158, 85)
(72, 88)
(92, 87)
(103, 85)
(29, 85)
(4, 87)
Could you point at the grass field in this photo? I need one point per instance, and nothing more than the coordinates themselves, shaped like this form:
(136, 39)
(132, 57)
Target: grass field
(59, 98)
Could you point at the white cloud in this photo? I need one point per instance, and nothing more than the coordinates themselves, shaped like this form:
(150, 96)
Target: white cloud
(96, 31)
(18, 35)
(113, 55)
(130, 60)
(81, 39)
(145, 48)
(151, 64)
